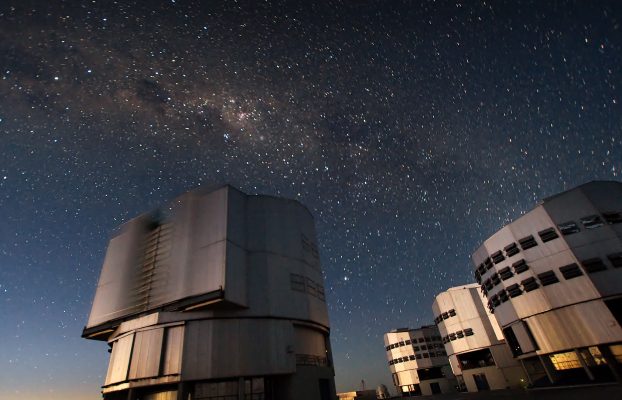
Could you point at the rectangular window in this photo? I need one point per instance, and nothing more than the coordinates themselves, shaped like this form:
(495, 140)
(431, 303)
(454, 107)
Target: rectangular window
(426, 355)
(388, 348)
(495, 279)
(452, 312)
(482, 269)
(407, 341)
(424, 347)
(547, 235)
(297, 282)
(488, 263)
(530, 284)
(452, 336)
(592, 222)
(460, 334)
(511, 249)
(497, 257)
(411, 357)
(514, 290)
(416, 348)
(548, 278)
(171, 360)
(495, 301)
(615, 259)
(562, 361)
(488, 284)
(418, 356)
(505, 273)
(593, 265)
(520, 266)
(570, 271)
(478, 277)
(468, 332)
(527, 242)
(612, 217)
(445, 315)
(475, 359)
(503, 296)
(568, 228)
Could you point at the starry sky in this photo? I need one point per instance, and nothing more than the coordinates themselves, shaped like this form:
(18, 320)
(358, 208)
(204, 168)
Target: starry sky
(413, 130)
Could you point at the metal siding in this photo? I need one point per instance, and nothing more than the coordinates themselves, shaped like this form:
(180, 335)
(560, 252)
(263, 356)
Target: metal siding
(146, 354)
(119, 360)
(171, 360)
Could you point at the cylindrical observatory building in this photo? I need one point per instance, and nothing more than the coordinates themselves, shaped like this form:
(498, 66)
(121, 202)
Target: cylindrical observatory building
(218, 295)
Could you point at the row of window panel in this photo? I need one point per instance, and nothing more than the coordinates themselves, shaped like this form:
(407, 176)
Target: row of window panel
(457, 335)
(308, 246)
(566, 228)
(444, 316)
(546, 278)
(512, 249)
(503, 274)
(306, 285)
(413, 357)
(413, 341)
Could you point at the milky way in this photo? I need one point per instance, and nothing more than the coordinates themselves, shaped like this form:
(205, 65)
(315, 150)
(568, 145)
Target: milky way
(412, 130)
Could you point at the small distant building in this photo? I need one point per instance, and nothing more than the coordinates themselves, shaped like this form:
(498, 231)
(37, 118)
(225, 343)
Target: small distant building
(474, 343)
(418, 361)
(218, 295)
(358, 395)
(382, 392)
(553, 279)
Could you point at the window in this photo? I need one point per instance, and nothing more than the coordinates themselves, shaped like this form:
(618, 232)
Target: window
(495, 279)
(497, 257)
(418, 356)
(505, 273)
(452, 336)
(570, 271)
(503, 296)
(445, 315)
(488, 284)
(468, 332)
(478, 277)
(401, 344)
(452, 313)
(475, 359)
(511, 249)
(612, 217)
(547, 235)
(615, 259)
(548, 278)
(411, 357)
(568, 228)
(416, 348)
(388, 348)
(530, 284)
(520, 266)
(527, 242)
(460, 334)
(297, 282)
(424, 347)
(391, 362)
(495, 301)
(514, 290)
(592, 222)
(421, 340)
(562, 361)
(407, 341)
(426, 355)
(593, 265)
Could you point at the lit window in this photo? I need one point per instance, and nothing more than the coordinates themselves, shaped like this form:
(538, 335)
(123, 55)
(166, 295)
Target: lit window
(568, 360)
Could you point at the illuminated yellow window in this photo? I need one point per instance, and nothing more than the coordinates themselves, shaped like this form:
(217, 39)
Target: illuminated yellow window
(616, 349)
(568, 360)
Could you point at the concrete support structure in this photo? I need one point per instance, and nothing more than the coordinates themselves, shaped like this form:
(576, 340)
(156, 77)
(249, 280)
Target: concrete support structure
(553, 279)
(418, 362)
(220, 295)
(477, 352)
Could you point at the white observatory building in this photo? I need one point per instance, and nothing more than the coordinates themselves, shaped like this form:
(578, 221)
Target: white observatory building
(219, 295)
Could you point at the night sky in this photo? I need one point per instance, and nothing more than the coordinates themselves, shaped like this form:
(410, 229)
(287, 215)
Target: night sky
(412, 130)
